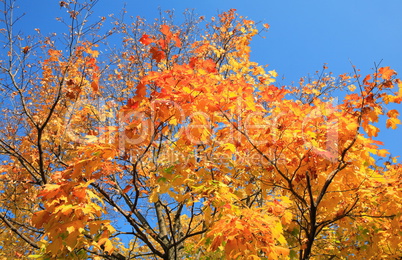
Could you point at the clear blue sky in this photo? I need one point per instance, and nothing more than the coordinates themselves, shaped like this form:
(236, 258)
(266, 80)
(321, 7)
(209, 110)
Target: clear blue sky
(303, 36)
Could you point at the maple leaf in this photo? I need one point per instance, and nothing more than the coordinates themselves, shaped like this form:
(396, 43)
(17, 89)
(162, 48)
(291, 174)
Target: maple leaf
(183, 147)
(146, 40)
(177, 41)
(141, 90)
(166, 31)
(94, 86)
(386, 72)
(393, 113)
(106, 244)
(157, 54)
(393, 122)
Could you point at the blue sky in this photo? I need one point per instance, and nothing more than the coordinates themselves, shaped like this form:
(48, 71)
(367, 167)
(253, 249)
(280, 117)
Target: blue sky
(303, 35)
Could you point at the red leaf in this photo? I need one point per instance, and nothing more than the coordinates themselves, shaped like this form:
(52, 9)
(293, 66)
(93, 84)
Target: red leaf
(141, 90)
(146, 40)
(127, 188)
(94, 86)
(157, 54)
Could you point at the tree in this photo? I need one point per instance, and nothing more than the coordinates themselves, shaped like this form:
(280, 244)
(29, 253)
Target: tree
(177, 146)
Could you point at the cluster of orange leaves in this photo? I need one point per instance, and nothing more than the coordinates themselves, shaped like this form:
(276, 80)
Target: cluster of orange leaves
(217, 86)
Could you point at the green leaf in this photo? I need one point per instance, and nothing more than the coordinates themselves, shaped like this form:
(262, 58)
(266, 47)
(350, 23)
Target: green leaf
(162, 179)
(169, 170)
(293, 254)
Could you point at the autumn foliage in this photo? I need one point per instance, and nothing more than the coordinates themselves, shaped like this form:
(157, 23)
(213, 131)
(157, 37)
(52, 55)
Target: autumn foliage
(175, 145)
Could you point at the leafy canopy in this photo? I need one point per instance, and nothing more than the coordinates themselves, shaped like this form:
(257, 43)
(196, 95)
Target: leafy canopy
(175, 145)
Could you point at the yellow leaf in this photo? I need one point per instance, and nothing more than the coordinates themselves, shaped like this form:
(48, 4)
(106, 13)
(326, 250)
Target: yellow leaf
(231, 147)
(352, 87)
(372, 130)
(70, 229)
(66, 210)
(382, 153)
(173, 121)
(392, 123)
(154, 197)
(273, 73)
(107, 245)
(110, 228)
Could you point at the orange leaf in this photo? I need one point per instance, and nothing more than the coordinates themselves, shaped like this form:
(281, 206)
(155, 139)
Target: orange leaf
(25, 49)
(382, 153)
(386, 72)
(146, 40)
(141, 90)
(177, 41)
(94, 86)
(393, 113)
(366, 79)
(39, 218)
(166, 30)
(54, 55)
(130, 39)
(392, 123)
(127, 188)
